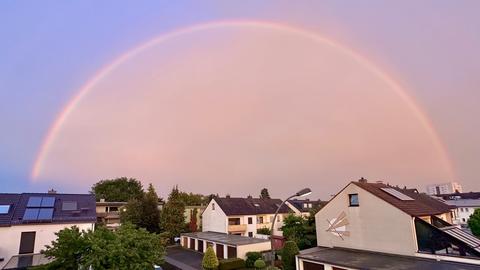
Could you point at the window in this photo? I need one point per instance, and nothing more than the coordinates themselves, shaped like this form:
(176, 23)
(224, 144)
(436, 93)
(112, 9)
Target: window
(353, 199)
(113, 209)
(250, 234)
(278, 218)
(271, 219)
(260, 220)
(4, 208)
(213, 206)
(250, 220)
(69, 206)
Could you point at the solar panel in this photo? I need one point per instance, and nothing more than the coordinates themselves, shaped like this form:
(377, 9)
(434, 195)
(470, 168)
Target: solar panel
(34, 202)
(69, 206)
(397, 194)
(31, 214)
(4, 208)
(48, 201)
(45, 213)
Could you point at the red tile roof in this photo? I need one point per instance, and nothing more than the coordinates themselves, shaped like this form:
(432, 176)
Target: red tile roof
(421, 205)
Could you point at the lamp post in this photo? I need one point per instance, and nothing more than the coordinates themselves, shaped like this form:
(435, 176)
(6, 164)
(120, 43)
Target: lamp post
(301, 193)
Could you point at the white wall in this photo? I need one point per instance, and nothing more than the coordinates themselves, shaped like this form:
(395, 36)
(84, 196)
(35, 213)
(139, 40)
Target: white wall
(242, 250)
(375, 225)
(214, 220)
(45, 234)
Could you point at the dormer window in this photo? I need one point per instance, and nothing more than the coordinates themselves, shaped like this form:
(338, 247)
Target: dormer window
(353, 200)
(213, 206)
(4, 208)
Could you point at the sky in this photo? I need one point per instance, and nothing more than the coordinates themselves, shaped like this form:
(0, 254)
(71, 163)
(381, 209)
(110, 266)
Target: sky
(229, 97)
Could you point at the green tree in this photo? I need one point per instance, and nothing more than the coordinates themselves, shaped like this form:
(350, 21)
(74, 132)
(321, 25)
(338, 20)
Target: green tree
(264, 194)
(260, 264)
(191, 198)
(192, 225)
(474, 222)
(210, 260)
(143, 212)
(118, 190)
(127, 248)
(172, 219)
(300, 230)
(290, 249)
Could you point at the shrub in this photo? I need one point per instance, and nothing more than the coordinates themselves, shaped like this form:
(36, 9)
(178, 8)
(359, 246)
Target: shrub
(233, 263)
(288, 255)
(272, 268)
(252, 257)
(265, 231)
(210, 260)
(474, 222)
(259, 264)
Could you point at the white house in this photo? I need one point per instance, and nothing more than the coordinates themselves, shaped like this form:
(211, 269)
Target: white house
(465, 204)
(29, 221)
(304, 207)
(242, 216)
(377, 226)
(444, 188)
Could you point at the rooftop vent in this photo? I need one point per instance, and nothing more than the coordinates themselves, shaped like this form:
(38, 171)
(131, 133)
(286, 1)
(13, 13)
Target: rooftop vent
(362, 180)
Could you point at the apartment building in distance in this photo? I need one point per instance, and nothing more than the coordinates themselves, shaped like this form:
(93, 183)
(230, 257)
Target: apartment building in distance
(377, 226)
(242, 216)
(445, 188)
(465, 204)
(304, 207)
(29, 221)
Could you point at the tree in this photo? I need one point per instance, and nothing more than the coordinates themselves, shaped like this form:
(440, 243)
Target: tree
(143, 212)
(127, 248)
(474, 222)
(118, 190)
(290, 249)
(264, 194)
(172, 219)
(210, 260)
(260, 264)
(191, 198)
(192, 225)
(300, 230)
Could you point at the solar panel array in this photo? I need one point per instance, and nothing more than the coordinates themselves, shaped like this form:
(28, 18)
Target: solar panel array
(463, 236)
(39, 208)
(397, 194)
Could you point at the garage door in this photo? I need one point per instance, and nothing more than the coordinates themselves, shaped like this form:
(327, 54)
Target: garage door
(312, 266)
(232, 252)
(220, 251)
(200, 246)
(192, 243)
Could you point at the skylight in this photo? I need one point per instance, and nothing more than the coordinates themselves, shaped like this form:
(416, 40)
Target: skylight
(397, 194)
(4, 208)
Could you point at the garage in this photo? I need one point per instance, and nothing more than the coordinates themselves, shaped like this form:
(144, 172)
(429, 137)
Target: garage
(312, 266)
(219, 250)
(200, 246)
(231, 252)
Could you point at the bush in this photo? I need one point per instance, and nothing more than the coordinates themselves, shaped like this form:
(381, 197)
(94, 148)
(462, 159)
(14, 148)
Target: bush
(210, 260)
(252, 257)
(474, 223)
(272, 268)
(288, 255)
(260, 264)
(233, 263)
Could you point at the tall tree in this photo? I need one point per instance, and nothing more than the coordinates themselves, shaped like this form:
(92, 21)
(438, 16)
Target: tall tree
(143, 212)
(127, 248)
(474, 222)
(172, 219)
(264, 194)
(193, 226)
(191, 198)
(120, 189)
(300, 230)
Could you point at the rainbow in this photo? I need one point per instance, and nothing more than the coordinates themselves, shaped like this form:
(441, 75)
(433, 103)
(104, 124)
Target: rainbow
(84, 90)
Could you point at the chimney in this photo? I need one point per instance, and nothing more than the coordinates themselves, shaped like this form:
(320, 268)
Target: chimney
(227, 196)
(249, 197)
(362, 180)
(379, 182)
(102, 200)
(52, 191)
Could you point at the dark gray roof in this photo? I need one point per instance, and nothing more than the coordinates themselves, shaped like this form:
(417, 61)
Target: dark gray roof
(250, 206)
(358, 259)
(299, 204)
(227, 239)
(86, 211)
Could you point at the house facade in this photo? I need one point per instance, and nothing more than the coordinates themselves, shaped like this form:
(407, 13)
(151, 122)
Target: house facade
(29, 221)
(465, 204)
(444, 188)
(377, 226)
(242, 216)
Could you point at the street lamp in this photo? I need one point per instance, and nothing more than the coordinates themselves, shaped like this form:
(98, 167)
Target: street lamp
(301, 193)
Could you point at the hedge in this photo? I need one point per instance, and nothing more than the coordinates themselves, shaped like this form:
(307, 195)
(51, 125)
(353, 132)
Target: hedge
(233, 263)
(252, 256)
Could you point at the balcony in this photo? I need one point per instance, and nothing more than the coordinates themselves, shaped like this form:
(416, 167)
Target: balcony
(237, 228)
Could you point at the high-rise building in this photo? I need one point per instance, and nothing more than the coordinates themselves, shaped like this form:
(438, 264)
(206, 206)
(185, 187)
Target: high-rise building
(445, 188)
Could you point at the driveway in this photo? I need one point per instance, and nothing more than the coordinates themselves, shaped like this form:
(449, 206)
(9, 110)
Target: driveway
(183, 258)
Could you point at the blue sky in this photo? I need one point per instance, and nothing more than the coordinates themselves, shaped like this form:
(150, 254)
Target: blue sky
(50, 48)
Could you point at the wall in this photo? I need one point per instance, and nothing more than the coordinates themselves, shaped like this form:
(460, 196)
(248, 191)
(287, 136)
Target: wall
(45, 234)
(327, 266)
(242, 250)
(214, 220)
(375, 225)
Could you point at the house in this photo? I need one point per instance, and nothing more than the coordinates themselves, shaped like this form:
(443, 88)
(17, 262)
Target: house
(378, 226)
(465, 204)
(242, 216)
(304, 207)
(29, 221)
(225, 245)
(108, 213)
(444, 188)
